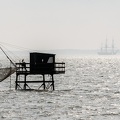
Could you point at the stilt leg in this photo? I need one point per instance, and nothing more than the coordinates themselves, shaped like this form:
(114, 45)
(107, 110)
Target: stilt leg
(25, 82)
(16, 82)
(44, 82)
(53, 82)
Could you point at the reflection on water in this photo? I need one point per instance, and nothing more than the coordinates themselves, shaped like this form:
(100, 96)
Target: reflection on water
(89, 90)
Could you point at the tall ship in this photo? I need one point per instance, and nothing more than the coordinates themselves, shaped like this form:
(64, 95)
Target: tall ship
(108, 50)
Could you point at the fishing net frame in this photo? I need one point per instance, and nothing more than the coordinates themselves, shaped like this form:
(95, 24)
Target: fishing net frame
(8, 71)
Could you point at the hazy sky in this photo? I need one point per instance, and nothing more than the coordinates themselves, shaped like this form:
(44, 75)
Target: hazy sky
(59, 24)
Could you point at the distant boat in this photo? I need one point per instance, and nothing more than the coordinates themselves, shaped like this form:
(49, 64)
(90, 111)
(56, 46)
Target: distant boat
(106, 50)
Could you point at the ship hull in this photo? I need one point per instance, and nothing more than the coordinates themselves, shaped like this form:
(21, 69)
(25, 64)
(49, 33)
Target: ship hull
(107, 53)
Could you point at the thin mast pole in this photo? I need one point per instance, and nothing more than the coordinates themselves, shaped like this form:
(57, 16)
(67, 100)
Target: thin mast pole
(106, 46)
(113, 45)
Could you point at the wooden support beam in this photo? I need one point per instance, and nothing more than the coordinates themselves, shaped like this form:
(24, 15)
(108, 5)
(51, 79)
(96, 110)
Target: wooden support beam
(53, 82)
(16, 82)
(25, 82)
(34, 82)
(43, 81)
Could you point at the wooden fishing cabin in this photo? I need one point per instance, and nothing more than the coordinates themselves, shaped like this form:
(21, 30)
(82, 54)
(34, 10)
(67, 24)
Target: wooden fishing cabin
(42, 64)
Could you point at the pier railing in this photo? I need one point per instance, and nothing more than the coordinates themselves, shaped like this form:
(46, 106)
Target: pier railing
(42, 68)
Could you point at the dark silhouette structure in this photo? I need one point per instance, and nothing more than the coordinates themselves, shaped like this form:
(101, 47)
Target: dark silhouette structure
(40, 64)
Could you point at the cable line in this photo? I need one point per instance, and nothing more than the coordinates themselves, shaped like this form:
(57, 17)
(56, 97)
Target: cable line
(19, 47)
(8, 57)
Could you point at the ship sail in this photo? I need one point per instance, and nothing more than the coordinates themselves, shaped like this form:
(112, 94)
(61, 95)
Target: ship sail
(106, 50)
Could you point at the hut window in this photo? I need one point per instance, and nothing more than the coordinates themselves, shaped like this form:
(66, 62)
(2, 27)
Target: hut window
(50, 60)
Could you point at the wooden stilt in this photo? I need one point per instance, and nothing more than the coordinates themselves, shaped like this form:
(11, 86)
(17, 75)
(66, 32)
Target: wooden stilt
(53, 82)
(44, 82)
(24, 82)
(16, 82)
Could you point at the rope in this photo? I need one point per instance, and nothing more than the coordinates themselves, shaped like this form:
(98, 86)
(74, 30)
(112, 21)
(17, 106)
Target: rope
(8, 57)
(19, 47)
(16, 57)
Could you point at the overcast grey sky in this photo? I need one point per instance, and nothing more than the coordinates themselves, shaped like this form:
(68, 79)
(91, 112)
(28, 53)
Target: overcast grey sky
(59, 24)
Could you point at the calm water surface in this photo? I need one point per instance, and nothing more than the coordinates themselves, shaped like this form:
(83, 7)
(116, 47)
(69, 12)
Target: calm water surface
(89, 90)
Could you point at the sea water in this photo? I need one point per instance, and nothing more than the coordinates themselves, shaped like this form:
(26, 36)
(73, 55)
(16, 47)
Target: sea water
(89, 90)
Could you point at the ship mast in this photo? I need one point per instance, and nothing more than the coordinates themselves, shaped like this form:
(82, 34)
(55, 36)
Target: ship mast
(112, 46)
(106, 46)
(101, 47)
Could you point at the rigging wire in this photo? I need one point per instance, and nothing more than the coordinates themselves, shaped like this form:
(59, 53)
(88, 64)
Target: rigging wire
(6, 51)
(8, 57)
(16, 57)
(14, 46)
(19, 47)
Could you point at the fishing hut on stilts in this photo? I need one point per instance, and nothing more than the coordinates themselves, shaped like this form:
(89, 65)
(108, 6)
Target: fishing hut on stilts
(40, 64)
